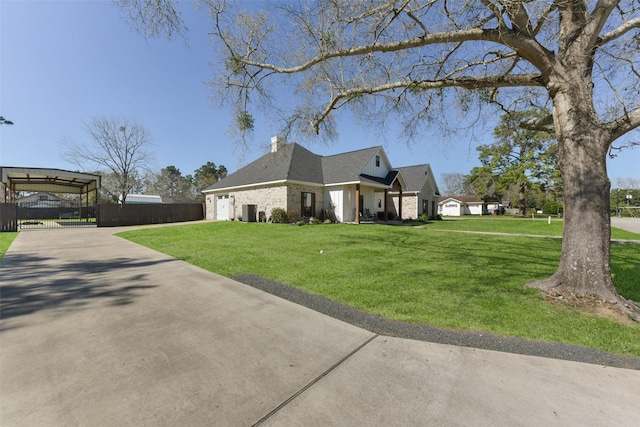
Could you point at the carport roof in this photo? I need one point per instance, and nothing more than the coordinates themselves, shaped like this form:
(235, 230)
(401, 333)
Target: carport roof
(48, 180)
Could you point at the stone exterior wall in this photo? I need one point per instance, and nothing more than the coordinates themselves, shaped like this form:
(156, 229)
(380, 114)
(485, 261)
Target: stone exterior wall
(409, 205)
(210, 206)
(412, 203)
(294, 197)
(266, 198)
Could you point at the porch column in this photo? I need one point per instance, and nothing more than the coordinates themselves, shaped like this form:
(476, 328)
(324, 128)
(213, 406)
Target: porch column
(385, 216)
(400, 204)
(357, 203)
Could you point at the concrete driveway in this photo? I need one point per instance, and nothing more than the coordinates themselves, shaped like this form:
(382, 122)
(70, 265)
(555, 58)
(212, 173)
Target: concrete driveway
(629, 224)
(96, 330)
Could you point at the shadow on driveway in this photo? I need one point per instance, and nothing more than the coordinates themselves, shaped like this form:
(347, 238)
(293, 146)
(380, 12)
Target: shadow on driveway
(34, 283)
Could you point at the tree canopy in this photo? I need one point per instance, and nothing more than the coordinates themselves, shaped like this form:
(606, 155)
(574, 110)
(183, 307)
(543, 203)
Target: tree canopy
(519, 159)
(208, 174)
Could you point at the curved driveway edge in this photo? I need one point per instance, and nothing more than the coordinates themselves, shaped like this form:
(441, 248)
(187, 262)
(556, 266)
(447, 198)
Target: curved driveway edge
(96, 330)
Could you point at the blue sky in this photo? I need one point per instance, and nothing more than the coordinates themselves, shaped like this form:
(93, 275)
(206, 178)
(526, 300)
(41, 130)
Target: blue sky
(64, 62)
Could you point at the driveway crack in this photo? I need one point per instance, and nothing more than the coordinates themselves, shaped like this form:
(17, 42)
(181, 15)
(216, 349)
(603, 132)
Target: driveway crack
(314, 381)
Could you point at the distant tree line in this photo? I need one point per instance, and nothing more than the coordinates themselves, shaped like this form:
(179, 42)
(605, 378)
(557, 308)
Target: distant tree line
(171, 185)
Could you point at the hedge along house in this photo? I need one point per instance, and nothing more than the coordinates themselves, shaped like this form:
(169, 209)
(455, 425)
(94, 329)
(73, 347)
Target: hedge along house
(346, 187)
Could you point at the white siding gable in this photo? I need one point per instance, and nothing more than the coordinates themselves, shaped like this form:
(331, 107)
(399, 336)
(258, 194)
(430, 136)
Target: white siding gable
(378, 165)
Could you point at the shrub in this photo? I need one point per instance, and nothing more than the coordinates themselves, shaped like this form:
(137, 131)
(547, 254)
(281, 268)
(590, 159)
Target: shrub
(239, 217)
(423, 218)
(279, 216)
(313, 220)
(551, 207)
(293, 216)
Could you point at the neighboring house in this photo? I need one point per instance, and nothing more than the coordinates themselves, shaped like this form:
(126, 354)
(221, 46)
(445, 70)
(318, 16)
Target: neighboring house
(344, 187)
(143, 199)
(39, 200)
(460, 205)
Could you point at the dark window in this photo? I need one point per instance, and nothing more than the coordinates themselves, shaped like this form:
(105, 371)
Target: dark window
(378, 161)
(308, 204)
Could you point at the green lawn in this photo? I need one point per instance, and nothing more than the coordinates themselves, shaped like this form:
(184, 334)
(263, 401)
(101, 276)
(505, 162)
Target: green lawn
(412, 274)
(5, 242)
(537, 226)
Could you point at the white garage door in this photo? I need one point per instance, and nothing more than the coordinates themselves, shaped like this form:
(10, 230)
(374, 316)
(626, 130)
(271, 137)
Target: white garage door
(222, 207)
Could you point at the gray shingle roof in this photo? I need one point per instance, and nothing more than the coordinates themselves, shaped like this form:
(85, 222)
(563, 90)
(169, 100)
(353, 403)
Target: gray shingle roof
(414, 176)
(290, 162)
(293, 162)
(346, 167)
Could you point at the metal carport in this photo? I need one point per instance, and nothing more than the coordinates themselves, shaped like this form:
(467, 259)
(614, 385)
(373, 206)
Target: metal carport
(47, 180)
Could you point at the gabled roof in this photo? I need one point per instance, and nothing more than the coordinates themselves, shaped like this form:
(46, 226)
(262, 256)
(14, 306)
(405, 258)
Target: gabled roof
(346, 167)
(387, 180)
(462, 199)
(415, 176)
(292, 162)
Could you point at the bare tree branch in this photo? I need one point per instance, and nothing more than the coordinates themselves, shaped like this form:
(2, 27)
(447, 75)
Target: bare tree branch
(529, 49)
(154, 17)
(623, 125)
(465, 82)
(625, 27)
(117, 145)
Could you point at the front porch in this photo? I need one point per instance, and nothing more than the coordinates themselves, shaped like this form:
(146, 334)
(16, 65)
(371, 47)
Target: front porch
(374, 204)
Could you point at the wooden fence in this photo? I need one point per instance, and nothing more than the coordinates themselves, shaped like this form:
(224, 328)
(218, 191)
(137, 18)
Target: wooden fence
(121, 215)
(8, 217)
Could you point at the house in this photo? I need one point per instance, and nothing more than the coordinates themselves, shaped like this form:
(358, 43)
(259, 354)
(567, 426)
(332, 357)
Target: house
(460, 205)
(39, 200)
(345, 187)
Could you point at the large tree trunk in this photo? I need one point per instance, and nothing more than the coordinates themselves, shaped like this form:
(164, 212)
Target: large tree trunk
(584, 262)
(584, 268)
